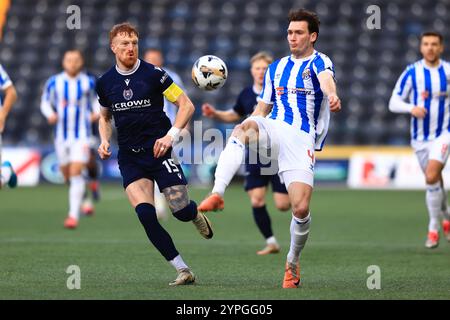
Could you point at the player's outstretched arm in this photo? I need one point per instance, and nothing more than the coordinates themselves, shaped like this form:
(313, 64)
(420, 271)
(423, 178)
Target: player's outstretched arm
(10, 99)
(262, 109)
(328, 86)
(227, 116)
(105, 131)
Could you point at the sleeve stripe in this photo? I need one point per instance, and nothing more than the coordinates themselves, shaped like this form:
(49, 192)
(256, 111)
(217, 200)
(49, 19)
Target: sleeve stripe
(172, 92)
(403, 82)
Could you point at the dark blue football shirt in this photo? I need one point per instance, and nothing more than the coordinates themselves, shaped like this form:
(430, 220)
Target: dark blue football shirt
(136, 101)
(246, 102)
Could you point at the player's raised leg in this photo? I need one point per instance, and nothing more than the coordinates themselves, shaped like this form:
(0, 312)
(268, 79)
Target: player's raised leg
(231, 158)
(140, 195)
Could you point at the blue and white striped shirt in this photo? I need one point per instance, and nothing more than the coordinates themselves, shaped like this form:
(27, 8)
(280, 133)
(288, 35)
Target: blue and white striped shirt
(293, 88)
(73, 100)
(420, 85)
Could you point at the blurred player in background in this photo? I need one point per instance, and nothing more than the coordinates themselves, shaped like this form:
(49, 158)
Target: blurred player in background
(132, 91)
(291, 119)
(92, 170)
(7, 174)
(423, 91)
(255, 182)
(156, 58)
(69, 102)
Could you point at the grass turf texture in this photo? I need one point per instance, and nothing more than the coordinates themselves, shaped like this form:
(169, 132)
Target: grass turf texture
(351, 230)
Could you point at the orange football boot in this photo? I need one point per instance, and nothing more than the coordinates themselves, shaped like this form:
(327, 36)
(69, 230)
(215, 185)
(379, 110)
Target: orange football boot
(213, 202)
(432, 240)
(70, 223)
(291, 275)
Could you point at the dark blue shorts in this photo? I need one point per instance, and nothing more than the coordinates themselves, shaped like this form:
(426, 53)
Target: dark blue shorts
(137, 165)
(254, 179)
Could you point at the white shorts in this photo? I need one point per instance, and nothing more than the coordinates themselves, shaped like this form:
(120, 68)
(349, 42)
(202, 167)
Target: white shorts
(294, 149)
(72, 151)
(437, 149)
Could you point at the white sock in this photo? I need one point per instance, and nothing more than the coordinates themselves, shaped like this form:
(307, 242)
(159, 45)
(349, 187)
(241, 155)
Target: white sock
(178, 263)
(229, 162)
(444, 206)
(5, 174)
(434, 197)
(271, 240)
(299, 235)
(76, 192)
(160, 203)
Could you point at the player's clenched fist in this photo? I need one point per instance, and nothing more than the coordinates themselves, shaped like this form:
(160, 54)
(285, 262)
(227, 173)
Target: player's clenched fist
(418, 112)
(208, 110)
(103, 150)
(335, 103)
(52, 119)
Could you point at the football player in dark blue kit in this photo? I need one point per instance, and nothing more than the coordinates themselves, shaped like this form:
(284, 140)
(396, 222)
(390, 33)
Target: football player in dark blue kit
(255, 182)
(132, 92)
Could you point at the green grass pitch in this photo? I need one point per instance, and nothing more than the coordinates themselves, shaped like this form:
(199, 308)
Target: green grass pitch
(351, 230)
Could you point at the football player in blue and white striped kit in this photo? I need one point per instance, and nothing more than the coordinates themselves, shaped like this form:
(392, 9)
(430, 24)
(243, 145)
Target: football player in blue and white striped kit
(423, 90)
(7, 174)
(291, 119)
(69, 101)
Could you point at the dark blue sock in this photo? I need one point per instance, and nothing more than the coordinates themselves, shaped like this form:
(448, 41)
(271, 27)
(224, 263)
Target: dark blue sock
(188, 213)
(262, 220)
(155, 232)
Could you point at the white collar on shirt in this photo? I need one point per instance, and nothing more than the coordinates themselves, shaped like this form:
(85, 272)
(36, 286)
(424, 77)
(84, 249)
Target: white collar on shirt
(131, 71)
(431, 68)
(303, 59)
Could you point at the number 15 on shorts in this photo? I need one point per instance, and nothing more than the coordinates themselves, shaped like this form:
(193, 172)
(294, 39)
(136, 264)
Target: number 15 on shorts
(171, 166)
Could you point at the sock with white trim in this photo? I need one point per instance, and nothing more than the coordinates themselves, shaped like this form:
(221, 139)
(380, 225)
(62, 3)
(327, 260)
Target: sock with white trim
(299, 235)
(229, 162)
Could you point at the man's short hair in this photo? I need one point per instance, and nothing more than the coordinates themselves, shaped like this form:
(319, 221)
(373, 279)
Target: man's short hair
(262, 55)
(432, 34)
(304, 15)
(124, 27)
(74, 50)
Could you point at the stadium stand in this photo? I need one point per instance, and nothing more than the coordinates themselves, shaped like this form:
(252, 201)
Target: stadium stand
(367, 62)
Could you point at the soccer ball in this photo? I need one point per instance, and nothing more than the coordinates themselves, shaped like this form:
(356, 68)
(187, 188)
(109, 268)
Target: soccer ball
(209, 73)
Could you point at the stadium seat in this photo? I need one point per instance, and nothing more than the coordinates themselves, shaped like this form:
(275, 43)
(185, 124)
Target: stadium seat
(367, 62)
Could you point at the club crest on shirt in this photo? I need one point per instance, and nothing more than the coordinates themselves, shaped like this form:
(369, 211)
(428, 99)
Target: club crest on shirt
(306, 74)
(128, 94)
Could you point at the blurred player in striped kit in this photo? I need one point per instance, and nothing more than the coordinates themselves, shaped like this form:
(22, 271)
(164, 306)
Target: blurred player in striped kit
(7, 174)
(423, 91)
(291, 119)
(69, 101)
